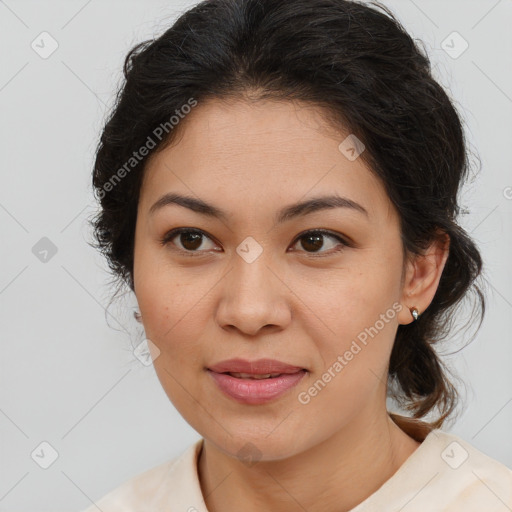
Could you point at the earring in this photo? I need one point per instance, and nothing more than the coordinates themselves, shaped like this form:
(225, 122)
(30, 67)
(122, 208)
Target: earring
(414, 313)
(137, 316)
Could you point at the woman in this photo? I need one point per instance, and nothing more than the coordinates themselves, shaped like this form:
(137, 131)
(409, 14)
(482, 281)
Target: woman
(278, 186)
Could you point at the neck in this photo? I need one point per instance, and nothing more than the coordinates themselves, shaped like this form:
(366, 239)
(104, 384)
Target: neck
(367, 454)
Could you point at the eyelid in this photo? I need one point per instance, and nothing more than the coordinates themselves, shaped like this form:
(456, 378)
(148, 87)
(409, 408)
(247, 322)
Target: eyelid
(342, 239)
(327, 232)
(169, 235)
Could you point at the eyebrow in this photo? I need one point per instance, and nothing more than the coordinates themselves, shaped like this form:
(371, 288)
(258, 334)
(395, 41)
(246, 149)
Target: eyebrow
(289, 212)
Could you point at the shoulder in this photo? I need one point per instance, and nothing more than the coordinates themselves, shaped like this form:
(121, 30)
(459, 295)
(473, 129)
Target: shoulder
(445, 473)
(132, 492)
(465, 476)
(160, 482)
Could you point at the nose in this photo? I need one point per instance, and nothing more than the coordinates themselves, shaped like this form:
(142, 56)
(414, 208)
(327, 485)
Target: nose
(253, 298)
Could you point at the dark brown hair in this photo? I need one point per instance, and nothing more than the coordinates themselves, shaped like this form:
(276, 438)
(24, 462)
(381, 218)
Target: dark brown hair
(359, 65)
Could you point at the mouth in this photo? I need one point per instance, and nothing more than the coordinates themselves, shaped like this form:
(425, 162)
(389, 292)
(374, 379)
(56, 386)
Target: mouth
(243, 368)
(261, 382)
(255, 376)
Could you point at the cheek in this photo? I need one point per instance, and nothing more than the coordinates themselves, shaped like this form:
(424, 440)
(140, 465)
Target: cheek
(161, 290)
(355, 297)
(360, 307)
(171, 317)
(174, 307)
(167, 311)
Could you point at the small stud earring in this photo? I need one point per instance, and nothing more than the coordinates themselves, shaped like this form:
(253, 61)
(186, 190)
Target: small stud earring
(414, 313)
(137, 316)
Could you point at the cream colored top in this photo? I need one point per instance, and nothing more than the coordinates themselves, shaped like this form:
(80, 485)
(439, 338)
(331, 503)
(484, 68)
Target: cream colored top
(444, 474)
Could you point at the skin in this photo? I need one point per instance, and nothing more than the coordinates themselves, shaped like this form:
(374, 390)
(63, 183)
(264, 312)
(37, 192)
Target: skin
(251, 159)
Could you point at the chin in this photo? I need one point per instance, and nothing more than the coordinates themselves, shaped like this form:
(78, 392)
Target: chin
(252, 447)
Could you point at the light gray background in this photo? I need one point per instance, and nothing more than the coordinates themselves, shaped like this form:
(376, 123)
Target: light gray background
(67, 376)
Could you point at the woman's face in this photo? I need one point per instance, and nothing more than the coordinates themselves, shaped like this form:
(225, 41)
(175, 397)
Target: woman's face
(251, 283)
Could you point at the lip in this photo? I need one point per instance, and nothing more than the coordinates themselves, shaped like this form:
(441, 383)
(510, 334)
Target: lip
(252, 391)
(257, 367)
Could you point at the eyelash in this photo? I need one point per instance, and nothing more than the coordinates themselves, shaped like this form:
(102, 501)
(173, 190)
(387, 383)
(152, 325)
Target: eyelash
(166, 239)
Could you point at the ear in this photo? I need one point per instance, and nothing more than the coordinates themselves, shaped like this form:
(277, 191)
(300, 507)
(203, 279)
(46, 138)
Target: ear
(422, 276)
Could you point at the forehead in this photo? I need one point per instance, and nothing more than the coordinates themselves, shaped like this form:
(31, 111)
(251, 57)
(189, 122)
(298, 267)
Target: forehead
(264, 153)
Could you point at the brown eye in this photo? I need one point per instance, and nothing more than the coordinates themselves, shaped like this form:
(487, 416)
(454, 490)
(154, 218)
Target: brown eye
(186, 240)
(190, 240)
(313, 241)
